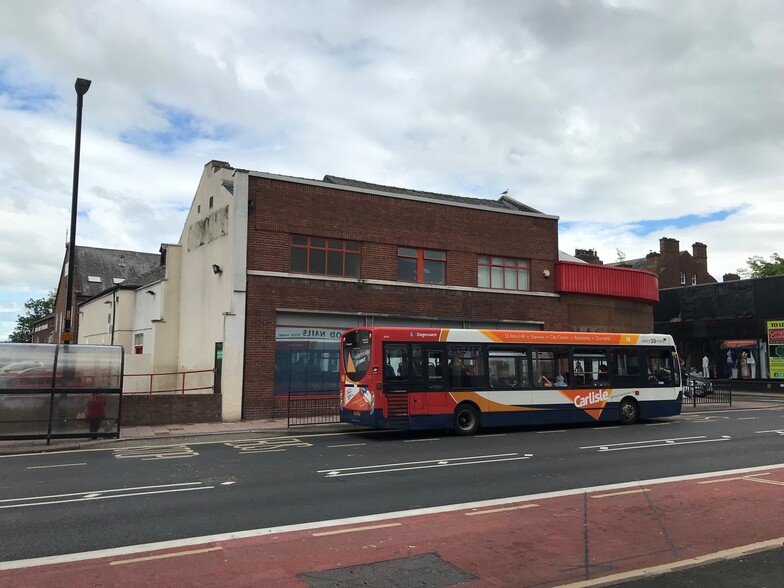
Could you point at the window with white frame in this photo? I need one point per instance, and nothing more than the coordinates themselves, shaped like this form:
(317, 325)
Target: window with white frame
(683, 278)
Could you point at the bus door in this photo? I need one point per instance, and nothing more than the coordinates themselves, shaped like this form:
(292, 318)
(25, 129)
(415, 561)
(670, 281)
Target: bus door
(396, 377)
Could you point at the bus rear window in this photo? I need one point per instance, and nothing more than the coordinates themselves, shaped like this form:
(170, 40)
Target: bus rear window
(356, 354)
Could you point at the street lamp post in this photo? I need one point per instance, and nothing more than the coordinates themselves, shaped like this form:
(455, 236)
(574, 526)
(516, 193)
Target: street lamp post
(81, 87)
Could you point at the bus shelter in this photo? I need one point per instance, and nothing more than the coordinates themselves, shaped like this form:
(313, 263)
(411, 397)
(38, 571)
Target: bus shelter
(60, 391)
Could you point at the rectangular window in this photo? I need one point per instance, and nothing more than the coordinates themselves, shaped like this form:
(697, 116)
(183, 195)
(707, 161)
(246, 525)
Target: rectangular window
(660, 367)
(466, 367)
(683, 278)
(590, 366)
(508, 368)
(694, 279)
(503, 273)
(425, 266)
(325, 257)
(395, 362)
(551, 367)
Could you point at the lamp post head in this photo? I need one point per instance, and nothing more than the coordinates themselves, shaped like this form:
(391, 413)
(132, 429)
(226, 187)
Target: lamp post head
(82, 86)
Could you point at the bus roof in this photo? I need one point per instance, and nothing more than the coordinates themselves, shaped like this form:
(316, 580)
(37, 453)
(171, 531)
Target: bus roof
(425, 335)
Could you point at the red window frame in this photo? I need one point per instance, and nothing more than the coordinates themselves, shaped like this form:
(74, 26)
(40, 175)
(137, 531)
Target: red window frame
(327, 248)
(517, 264)
(421, 257)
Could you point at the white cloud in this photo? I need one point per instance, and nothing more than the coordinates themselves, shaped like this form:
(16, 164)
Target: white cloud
(607, 114)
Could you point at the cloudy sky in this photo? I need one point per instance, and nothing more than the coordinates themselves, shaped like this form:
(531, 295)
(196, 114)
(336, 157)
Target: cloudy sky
(631, 121)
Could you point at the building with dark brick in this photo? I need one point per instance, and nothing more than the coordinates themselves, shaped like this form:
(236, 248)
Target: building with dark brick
(274, 267)
(673, 267)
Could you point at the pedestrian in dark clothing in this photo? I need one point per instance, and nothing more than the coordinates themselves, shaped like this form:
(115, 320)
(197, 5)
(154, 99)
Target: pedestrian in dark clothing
(95, 412)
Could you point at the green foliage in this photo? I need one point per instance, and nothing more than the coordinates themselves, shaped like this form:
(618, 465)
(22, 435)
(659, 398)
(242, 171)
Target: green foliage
(36, 310)
(759, 268)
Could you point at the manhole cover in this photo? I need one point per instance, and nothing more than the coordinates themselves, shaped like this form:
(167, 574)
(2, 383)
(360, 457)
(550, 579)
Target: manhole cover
(426, 571)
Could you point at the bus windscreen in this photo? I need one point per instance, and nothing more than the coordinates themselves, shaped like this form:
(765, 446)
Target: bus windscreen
(356, 354)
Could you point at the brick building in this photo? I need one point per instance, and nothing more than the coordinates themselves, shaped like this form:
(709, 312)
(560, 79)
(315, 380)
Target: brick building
(673, 267)
(275, 267)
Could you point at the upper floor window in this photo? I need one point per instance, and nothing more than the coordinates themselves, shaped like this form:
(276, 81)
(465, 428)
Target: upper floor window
(421, 265)
(694, 279)
(503, 273)
(683, 278)
(326, 257)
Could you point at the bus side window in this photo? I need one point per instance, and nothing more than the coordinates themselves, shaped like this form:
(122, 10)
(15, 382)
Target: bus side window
(417, 363)
(435, 361)
(660, 367)
(396, 362)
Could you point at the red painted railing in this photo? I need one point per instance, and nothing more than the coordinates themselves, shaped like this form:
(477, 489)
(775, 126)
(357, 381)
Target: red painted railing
(179, 377)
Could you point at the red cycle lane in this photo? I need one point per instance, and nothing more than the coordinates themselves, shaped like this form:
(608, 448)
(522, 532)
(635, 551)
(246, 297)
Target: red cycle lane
(591, 537)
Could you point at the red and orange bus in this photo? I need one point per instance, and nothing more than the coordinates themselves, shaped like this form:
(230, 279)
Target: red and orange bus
(413, 378)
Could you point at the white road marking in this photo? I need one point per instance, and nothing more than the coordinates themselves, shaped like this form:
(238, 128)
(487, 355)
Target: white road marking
(59, 465)
(272, 445)
(347, 445)
(655, 443)
(421, 440)
(387, 516)
(419, 465)
(656, 424)
(490, 435)
(747, 418)
(777, 431)
(100, 494)
(155, 453)
(556, 431)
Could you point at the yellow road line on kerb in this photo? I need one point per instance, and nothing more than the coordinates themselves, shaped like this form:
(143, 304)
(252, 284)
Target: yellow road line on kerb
(119, 562)
(482, 512)
(677, 566)
(638, 491)
(355, 529)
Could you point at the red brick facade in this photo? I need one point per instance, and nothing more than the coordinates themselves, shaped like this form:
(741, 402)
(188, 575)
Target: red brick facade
(381, 224)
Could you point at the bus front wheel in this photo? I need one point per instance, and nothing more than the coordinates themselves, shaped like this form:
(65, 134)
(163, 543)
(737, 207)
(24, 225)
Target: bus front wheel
(629, 411)
(466, 420)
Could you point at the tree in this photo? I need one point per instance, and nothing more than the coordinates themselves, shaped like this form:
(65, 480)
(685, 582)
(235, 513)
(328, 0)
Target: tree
(759, 268)
(36, 310)
(621, 255)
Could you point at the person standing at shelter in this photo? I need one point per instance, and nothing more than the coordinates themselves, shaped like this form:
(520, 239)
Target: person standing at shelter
(95, 412)
(705, 366)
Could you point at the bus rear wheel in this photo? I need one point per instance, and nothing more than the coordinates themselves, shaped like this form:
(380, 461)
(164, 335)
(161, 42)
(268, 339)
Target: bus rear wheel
(466, 420)
(629, 411)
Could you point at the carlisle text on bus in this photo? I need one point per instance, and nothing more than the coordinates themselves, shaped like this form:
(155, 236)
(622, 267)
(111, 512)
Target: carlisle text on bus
(462, 379)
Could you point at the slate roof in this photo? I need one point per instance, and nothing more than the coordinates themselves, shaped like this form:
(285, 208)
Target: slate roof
(108, 264)
(639, 264)
(503, 203)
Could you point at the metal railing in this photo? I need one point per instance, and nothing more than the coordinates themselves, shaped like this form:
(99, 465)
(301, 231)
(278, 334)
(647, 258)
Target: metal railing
(705, 391)
(320, 410)
(171, 383)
